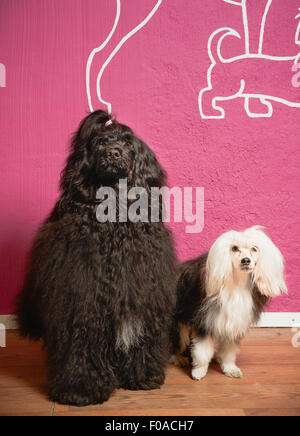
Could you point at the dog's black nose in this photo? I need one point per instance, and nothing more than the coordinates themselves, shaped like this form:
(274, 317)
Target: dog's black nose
(246, 261)
(113, 153)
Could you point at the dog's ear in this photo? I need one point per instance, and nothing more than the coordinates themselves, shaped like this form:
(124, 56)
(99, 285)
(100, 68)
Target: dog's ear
(74, 178)
(147, 172)
(219, 267)
(268, 275)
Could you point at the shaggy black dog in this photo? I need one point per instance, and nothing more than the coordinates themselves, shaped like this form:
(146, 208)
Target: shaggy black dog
(101, 295)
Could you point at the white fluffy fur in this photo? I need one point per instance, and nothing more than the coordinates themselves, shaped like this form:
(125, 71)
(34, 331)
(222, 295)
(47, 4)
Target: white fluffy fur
(235, 316)
(233, 286)
(268, 273)
(202, 352)
(129, 334)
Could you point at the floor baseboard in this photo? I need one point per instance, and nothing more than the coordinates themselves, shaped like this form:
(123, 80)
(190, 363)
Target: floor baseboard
(268, 319)
(280, 319)
(9, 322)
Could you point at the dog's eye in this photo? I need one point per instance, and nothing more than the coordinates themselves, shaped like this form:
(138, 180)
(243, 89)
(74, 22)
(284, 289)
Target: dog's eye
(255, 249)
(235, 249)
(102, 141)
(127, 139)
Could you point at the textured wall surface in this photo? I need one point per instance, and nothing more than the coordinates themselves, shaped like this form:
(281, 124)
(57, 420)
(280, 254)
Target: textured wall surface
(249, 166)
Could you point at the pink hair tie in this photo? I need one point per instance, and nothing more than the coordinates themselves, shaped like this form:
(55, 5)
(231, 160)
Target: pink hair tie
(108, 123)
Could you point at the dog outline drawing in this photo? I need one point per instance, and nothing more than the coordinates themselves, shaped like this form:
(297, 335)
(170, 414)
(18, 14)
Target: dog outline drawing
(114, 35)
(265, 66)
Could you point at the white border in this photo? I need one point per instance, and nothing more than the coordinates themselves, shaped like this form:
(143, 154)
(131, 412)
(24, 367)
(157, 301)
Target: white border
(268, 319)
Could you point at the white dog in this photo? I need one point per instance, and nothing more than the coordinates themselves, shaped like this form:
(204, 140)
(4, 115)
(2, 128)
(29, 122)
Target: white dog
(221, 294)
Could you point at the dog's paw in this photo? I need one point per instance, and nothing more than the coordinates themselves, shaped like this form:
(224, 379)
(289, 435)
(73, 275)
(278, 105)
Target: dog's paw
(179, 360)
(199, 373)
(141, 386)
(232, 371)
(149, 384)
(79, 400)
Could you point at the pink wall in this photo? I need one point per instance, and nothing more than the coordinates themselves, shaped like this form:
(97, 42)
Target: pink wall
(248, 166)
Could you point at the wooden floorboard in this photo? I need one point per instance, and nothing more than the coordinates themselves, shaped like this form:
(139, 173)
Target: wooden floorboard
(270, 387)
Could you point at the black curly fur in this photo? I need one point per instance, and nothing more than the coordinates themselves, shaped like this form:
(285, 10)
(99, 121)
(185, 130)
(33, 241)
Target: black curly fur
(87, 281)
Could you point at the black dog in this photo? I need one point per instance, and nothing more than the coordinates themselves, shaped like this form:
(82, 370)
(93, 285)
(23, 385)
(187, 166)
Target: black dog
(101, 295)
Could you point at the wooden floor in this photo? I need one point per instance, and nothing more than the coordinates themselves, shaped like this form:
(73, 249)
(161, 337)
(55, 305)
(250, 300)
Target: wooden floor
(271, 384)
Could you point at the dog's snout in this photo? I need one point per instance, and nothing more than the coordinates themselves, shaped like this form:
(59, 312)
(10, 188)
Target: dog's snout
(246, 261)
(113, 153)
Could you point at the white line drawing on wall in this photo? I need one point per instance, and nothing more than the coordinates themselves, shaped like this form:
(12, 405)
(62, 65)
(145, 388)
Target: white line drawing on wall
(113, 53)
(245, 86)
(296, 66)
(297, 37)
(2, 76)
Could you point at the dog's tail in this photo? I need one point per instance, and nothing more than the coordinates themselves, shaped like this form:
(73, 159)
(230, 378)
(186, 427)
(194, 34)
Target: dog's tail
(215, 42)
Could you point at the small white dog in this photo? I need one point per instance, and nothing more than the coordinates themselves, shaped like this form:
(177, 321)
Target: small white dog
(221, 294)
